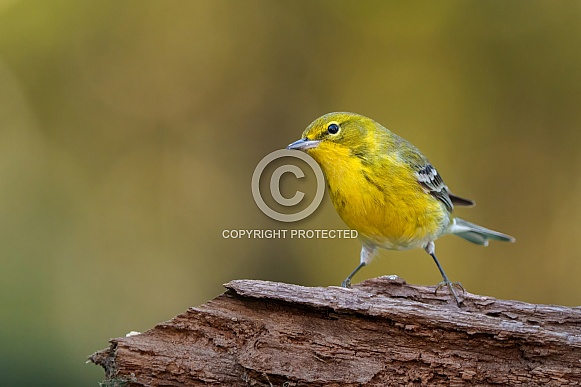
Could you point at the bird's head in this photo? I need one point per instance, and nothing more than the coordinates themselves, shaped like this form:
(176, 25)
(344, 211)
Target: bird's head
(335, 137)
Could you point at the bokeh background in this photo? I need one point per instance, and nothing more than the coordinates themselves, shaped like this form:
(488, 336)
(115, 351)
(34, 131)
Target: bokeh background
(129, 132)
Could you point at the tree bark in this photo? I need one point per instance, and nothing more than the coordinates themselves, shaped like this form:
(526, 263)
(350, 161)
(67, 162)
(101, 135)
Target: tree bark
(382, 332)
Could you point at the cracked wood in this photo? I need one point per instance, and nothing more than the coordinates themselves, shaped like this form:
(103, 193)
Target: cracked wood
(381, 332)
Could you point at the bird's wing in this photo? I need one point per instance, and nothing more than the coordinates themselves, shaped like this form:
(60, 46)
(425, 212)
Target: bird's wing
(432, 183)
(458, 201)
(427, 176)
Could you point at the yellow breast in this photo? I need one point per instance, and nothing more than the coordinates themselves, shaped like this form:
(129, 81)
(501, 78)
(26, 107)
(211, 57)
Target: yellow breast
(382, 201)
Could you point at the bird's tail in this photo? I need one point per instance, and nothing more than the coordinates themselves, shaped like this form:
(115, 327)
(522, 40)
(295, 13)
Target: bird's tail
(475, 233)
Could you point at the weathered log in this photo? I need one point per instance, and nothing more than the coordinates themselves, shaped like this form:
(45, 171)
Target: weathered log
(382, 332)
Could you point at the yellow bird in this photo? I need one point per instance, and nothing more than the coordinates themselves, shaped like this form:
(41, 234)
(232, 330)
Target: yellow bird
(386, 189)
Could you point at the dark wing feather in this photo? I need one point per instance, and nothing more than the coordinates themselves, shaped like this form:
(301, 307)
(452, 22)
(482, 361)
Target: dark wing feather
(432, 182)
(458, 201)
(427, 176)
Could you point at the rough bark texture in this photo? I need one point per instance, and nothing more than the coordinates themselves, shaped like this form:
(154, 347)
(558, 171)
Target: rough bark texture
(382, 332)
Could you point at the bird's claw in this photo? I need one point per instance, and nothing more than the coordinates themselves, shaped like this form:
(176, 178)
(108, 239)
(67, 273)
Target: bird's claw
(451, 286)
(448, 284)
(346, 283)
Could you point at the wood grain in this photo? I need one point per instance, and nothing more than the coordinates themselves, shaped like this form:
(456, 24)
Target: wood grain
(382, 332)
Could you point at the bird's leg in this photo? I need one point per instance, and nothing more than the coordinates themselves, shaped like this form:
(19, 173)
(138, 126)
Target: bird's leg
(367, 253)
(431, 249)
(347, 281)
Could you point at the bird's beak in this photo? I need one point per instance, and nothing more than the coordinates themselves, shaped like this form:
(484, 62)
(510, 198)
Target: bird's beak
(304, 144)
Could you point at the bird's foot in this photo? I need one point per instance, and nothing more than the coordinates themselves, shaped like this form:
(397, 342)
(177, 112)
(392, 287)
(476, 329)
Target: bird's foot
(346, 283)
(451, 286)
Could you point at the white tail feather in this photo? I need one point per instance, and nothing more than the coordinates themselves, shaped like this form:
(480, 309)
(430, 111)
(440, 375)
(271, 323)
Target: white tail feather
(475, 233)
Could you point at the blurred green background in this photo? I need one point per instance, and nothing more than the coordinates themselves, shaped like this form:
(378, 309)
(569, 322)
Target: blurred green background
(129, 132)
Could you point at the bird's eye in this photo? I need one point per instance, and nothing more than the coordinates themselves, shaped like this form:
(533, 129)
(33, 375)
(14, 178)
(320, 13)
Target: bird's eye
(333, 128)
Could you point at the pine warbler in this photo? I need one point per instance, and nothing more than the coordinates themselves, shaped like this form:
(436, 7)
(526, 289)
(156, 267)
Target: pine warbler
(386, 189)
